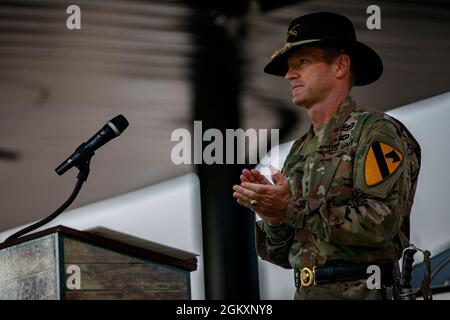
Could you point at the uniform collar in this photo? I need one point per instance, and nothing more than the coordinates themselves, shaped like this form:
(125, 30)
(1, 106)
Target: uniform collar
(333, 128)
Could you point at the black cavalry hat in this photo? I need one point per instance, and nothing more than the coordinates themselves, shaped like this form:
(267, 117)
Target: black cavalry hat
(329, 29)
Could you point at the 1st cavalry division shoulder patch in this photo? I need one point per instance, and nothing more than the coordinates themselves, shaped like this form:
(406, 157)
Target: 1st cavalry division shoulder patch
(382, 161)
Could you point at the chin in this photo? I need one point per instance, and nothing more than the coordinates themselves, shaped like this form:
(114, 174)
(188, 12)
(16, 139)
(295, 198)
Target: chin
(298, 102)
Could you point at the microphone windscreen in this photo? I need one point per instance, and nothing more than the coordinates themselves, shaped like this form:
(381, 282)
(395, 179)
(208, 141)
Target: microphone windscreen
(120, 122)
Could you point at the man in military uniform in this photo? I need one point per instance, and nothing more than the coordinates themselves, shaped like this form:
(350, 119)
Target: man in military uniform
(343, 198)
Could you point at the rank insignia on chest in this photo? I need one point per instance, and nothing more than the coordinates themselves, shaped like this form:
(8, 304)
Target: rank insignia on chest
(382, 160)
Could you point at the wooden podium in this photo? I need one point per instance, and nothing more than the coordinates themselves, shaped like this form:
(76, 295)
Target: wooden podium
(63, 263)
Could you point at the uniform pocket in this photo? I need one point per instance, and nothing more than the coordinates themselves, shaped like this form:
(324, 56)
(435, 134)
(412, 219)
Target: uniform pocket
(322, 174)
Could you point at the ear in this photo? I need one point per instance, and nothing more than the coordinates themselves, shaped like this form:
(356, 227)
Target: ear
(342, 66)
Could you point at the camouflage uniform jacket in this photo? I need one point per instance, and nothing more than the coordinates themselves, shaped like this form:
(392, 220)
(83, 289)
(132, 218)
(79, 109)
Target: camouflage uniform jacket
(352, 189)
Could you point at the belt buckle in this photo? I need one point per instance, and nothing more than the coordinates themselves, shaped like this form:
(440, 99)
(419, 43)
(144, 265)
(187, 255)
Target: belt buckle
(307, 277)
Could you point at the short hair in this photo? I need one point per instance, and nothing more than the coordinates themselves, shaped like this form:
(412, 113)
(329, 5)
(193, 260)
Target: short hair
(330, 52)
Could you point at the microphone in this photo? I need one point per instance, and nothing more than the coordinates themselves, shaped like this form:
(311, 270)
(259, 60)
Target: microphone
(112, 129)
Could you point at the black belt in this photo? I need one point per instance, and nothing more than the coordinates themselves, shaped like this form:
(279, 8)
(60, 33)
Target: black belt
(338, 272)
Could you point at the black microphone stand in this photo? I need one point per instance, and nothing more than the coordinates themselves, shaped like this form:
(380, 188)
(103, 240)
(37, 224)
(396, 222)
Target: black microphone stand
(81, 178)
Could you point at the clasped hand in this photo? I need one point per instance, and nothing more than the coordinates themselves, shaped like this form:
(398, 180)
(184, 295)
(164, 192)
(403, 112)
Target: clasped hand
(269, 200)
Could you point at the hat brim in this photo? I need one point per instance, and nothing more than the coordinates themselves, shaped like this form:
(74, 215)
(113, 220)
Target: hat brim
(366, 63)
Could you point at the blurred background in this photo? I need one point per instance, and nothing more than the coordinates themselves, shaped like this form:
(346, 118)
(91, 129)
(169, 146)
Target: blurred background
(163, 64)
